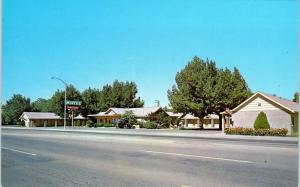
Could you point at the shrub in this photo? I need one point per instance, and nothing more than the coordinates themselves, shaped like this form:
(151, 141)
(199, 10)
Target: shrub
(22, 123)
(121, 124)
(149, 125)
(98, 124)
(261, 121)
(257, 132)
(107, 125)
(164, 120)
(90, 123)
(128, 120)
(77, 123)
(140, 124)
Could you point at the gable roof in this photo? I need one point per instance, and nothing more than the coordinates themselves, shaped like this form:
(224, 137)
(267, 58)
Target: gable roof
(98, 114)
(190, 116)
(40, 115)
(209, 116)
(79, 117)
(138, 112)
(285, 104)
(174, 114)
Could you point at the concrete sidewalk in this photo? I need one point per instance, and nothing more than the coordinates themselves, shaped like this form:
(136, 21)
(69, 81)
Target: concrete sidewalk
(172, 133)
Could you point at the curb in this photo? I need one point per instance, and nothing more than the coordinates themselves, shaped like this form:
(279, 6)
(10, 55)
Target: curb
(283, 140)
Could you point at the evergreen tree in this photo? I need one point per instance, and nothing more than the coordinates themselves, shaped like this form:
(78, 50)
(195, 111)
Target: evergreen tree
(106, 98)
(120, 95)
(261, 121)
(90, 101)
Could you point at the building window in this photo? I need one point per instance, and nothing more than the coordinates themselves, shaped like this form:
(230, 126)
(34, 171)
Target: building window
(258, 104)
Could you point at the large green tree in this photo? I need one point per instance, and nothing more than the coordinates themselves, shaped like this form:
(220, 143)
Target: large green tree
(90, 101)
(106, 98)
(202, 88)
(41, 105)
(240, 89)
(58, 98)
(120, 94)
(230, 90)
(13, 109)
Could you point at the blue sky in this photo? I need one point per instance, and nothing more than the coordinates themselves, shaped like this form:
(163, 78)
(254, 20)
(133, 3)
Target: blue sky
(92, 43)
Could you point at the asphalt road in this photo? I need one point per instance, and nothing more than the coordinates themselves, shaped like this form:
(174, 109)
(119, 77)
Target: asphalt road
(35, 158)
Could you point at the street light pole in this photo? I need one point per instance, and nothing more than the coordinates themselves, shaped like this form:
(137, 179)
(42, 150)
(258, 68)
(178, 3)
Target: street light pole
(65, 110)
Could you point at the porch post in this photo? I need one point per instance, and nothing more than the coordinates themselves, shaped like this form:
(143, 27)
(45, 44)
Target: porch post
(223, 124)
(198, 122)
(55, 123)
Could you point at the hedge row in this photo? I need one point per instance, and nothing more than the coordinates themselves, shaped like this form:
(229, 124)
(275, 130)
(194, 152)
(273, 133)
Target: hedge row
(257, 132)
(90, 124)
(148, 125)
(103, 125)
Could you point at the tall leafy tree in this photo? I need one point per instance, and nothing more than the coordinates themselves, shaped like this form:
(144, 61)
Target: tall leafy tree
(90, 101)
(120, 94)
(58, 99)
(230, 90)
(223, 90)
(41, 105)
(240, 89)
(106, 100)
(129, 98)
(201, 89)
(194, 90)
(13, 109)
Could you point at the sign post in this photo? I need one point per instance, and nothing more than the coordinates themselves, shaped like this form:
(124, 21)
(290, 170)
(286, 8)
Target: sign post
(73, 105)
(72, 120)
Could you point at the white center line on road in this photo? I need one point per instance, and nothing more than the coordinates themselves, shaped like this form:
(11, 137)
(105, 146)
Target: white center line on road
(15, 150)
(198, 156)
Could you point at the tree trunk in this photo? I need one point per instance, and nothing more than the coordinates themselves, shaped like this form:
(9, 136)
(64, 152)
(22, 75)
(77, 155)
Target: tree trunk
(220, 121)
(201, 122)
